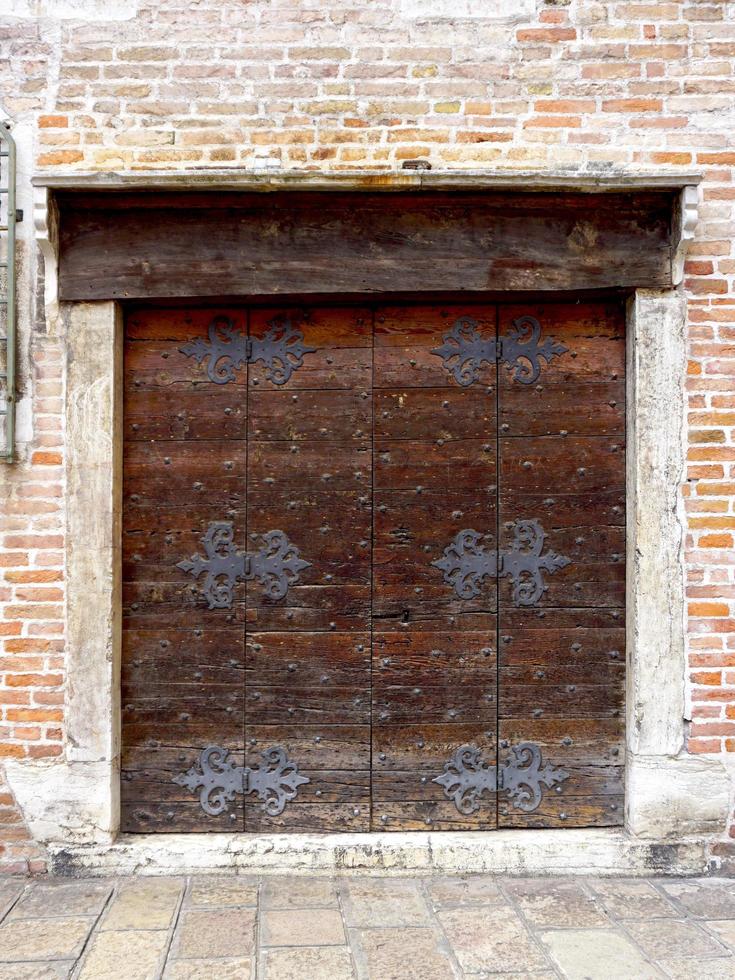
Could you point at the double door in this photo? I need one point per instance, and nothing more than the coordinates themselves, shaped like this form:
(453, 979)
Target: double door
(373, 566)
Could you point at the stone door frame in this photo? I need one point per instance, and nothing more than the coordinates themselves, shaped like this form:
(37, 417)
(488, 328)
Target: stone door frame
(675, 802)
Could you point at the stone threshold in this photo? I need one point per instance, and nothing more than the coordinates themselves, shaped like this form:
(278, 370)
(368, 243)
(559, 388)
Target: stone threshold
(507, 852)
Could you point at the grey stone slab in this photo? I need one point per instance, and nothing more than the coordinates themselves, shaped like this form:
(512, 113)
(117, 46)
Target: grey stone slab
(314, 962)
(711, 898)
(302, 927)
(125, 955)
(144, 903)
(382, 902)
(221, 891)
(724, 930)
(684, 968)
(10, 891)
(53, 970)
(298, 893)
(453, 892)
(54, 898)
(239, 968)
(632, 899)
(672, 938)
(490, 938)
(210, 933)
(597, 954)
(396, 954)
(547, 902)
(43, 939)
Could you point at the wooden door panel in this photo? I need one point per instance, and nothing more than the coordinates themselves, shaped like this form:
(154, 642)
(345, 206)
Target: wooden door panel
(434, 672)
(309, 474)
(183, 664)
(562, 659)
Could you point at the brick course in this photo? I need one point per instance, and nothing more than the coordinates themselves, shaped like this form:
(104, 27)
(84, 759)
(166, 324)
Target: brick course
(324, 85)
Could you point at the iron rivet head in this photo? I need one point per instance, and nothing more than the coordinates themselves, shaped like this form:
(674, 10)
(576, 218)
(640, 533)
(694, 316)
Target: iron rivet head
(163, 644)
(360, 647)
(445, 404)
(228, 411)
(135, 427)
(381, 756)
(291, 668)
(419, 489)
(558, 789)
(135, 498)
(614, 654)
(563, 432)
(505, 426)
(576, 647)
(572, 688)
(233, 817)
(356, 811)
(566, 741)
(294, 398)
(324, 679)
(615, 751)
(429, 821)
(383, 818)
(424, 779)
(540, 674)
(198, 676)
(333, 626)
(539, 387)
(537, 712)
(317, 739)
(317, 792)
(167, 460)
(135, 605)
(420, 743)
(228, 464)
(197, 632)
(412, 363)
(613, 806)
(507, 639)
(255, 695)
(384, 716)
(562, 816)
(527, 464)
(292, 711)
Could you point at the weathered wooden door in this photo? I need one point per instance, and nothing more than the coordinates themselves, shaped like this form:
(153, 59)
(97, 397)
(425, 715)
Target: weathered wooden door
(373, 563)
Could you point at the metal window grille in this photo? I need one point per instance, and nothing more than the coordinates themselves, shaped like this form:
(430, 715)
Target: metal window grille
(7, 295)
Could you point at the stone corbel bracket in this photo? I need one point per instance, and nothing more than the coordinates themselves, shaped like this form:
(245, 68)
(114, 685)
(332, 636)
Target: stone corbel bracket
(686, 215)
(46, 223)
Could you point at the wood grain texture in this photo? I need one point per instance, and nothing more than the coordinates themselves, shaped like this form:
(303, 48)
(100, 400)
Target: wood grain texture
(145, 246)
(371, 672)
(562, 463)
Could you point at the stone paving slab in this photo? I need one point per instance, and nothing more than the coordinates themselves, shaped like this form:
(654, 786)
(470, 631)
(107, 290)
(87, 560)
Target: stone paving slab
(357, 927)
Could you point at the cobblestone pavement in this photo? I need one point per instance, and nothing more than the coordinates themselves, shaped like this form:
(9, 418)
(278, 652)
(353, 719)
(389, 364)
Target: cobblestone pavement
(378, 928)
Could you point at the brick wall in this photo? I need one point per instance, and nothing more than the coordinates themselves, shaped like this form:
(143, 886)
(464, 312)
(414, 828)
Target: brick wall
(331, 85)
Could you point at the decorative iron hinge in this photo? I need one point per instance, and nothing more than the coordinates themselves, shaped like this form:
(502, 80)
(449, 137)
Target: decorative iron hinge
(276, 565)
(276, 780)
(464, 351)
(282, 350)
(466, 562)
(467, 776)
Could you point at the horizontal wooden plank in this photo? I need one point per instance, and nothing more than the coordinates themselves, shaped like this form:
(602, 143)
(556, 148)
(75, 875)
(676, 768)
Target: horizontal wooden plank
(440, 815)
(130, 246)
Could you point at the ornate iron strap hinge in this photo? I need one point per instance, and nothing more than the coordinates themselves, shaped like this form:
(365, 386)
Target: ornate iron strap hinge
(276, 565)
(464, 351)
(466, 777)
(282, 350)
(466, 562)
(276, 780)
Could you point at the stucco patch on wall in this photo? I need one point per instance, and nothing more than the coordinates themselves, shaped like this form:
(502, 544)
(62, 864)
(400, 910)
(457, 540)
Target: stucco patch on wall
(492, 10)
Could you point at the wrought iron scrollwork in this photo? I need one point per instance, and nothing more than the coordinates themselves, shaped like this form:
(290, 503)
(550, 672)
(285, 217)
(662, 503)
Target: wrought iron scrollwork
(467, 776)
(276, 564)
(464, 351)
(523, 562)
(466, 562)
(282, 350)
(275, 780)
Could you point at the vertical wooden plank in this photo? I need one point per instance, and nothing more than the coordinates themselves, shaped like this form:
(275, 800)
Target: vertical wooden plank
(308, 654)
(434, 658)
(562, 659)
(183, 664)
